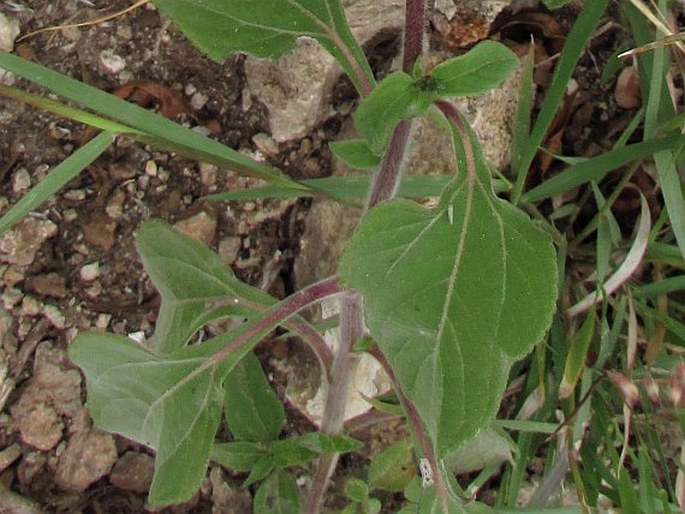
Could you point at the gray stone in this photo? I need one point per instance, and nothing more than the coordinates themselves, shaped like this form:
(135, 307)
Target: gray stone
(9, 30)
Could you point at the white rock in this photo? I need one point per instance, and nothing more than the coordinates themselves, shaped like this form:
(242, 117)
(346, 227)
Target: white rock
(89, 272)
(198, 101)
(9, 30)
(111, 62)
(22, 180)
(54, 315)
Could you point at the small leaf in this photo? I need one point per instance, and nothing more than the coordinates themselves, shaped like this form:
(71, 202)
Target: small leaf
(237, 456)
(253, 411)
(453, 296)
(260, 470)
(278, 494)
(289, 452)
(393, 468)
(196, 287)
(355, 153)
(397, 97)
(482, 68)
(356, 490)
(266, 29)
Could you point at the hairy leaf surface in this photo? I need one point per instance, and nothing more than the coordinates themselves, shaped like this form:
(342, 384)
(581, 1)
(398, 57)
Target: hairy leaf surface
(154, 400)
(453, 295)
(253, 410)
(196, 287)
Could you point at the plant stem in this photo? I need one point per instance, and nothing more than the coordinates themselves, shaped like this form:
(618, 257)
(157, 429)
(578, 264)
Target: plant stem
(415, 421)
(414, 31)
(351, 329)
(276, 315)
(351, 316)
(388, 178)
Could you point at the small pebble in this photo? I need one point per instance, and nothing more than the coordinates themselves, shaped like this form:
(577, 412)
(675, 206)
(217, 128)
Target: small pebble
(30, 306)
(198, 101)
(151, 168)
(22, 180)
(102, 321)
(55, 316)
(75, 195)
(69, 215)
(89, 272)
(115, 205)
(208, 173)
(9, 30)
(112, 62)
(265, 144)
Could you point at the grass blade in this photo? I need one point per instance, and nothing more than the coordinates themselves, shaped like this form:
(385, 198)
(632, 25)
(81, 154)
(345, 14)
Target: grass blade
(627, 267)
(597, 167)
(160, 130)
(575, 43)
(56, 179)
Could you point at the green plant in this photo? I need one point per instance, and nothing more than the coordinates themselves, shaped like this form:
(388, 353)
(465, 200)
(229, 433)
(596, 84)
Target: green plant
(452, 296)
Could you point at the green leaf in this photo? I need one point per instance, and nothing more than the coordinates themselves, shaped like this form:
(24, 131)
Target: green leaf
(237, 456)
(195, 286)
(56, 179)
(260, 470)
(482, 68)
(453, 295)
(356, 490)
(597, 167)
(157, 402)
(393, 468)
(574, 47)
(575, 360)
(397, 97)
(555, 4)
(171, 403)
(253, 411)
(289, 452)
(267, 28)
(355, 153)
(278, 494)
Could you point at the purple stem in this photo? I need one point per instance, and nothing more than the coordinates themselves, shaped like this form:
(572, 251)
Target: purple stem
(351, 330)
(351, 316)
(276, 316)
(388, 178)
